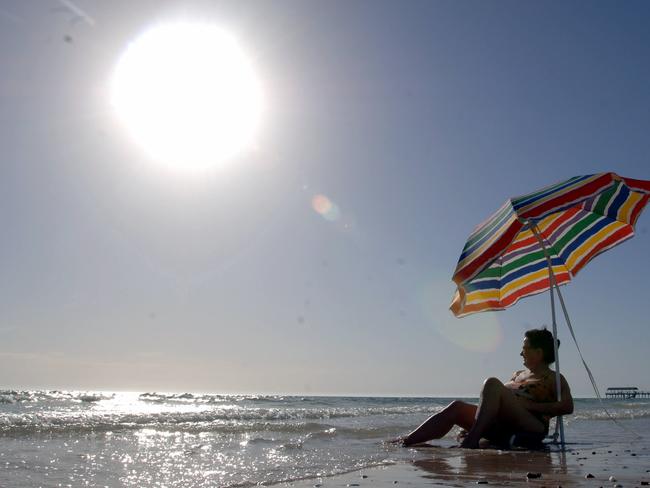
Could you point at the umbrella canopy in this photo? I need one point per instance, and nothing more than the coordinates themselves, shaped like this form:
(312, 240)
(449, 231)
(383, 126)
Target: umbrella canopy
(504, 261)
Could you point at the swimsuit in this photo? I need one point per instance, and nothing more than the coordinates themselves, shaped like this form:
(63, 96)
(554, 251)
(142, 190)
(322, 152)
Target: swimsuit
(540, 390)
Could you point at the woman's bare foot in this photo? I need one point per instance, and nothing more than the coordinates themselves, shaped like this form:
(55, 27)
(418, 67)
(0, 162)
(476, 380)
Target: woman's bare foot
(404, 441)
(401, 440)
(462, 435)
(469, 444)
(471, 440)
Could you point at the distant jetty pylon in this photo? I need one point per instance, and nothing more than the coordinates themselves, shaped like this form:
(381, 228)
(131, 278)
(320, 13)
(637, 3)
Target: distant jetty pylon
(626, 392)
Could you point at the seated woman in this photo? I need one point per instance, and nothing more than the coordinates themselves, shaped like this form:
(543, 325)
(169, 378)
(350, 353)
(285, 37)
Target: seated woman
(523, 405)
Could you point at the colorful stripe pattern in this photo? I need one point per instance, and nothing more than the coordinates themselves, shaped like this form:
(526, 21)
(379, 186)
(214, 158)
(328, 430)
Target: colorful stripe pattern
(578, 219)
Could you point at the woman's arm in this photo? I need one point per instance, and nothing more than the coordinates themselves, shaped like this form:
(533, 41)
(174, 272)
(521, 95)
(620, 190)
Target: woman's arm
(563, 407)
(514, 376)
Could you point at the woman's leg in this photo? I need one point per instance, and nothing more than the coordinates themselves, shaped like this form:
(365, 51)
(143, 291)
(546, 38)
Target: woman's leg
(498, 403)
(436, 426)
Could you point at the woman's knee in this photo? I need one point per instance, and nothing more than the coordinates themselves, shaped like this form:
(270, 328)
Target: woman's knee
(457, 405)
(492, 383)
(461, 413)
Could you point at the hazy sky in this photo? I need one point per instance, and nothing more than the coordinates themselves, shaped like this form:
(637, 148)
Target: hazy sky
(416, 119)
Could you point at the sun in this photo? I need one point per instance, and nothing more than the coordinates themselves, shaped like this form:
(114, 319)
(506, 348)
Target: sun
(188, 95)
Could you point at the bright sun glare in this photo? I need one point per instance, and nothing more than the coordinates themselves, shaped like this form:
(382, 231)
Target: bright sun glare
(187, 94)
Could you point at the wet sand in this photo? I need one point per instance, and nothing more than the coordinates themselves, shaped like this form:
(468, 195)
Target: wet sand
(611, 466)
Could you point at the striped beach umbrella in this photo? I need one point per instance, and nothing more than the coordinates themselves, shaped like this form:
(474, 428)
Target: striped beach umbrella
(539, 241)
(504, 258)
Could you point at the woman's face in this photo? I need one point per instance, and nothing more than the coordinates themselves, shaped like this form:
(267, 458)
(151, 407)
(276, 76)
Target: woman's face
(533, 357)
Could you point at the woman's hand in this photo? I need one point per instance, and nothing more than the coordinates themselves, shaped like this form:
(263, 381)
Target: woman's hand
(563, 407)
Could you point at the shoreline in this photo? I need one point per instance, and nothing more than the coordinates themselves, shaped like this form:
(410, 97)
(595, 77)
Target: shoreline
(444, 466)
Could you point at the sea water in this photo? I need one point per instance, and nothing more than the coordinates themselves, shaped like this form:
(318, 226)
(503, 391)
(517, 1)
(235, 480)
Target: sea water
(65, 438)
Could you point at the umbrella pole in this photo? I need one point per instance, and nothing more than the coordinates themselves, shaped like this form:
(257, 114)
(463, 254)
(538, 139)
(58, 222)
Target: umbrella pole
(558, 385)
(553, 282)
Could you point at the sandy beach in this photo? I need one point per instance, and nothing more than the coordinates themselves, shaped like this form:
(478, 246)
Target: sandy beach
(610, 466)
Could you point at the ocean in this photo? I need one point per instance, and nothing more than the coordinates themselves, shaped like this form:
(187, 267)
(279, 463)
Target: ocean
(125, 439)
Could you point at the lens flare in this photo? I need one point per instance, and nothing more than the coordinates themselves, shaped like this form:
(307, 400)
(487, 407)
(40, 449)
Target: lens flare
(484, 334)
(481, 333)
(325, 207)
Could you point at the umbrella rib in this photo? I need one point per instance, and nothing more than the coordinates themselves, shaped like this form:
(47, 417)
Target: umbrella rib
(500, 276)
(552, 252)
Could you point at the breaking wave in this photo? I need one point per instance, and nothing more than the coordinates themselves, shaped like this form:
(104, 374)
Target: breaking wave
(57, 411)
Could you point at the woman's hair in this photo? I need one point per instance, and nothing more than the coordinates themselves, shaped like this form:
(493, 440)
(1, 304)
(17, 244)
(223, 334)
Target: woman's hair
(542, 339)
